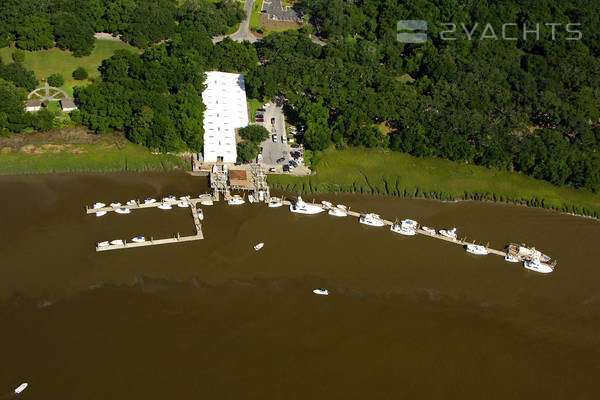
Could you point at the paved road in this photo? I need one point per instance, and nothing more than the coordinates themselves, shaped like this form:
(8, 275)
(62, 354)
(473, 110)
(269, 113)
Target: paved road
(243, 32)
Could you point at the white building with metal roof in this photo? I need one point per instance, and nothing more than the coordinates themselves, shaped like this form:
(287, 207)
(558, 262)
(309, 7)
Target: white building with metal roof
(226, 110)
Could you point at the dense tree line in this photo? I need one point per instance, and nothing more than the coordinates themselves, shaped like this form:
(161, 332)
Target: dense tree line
(70, 24)
(525, 105)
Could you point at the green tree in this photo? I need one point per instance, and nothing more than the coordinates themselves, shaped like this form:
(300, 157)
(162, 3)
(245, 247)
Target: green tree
(247, 151)
(18, 56)
(56, 80)
(35, 33)
(254, 133)
(80, 73)
(73, 34)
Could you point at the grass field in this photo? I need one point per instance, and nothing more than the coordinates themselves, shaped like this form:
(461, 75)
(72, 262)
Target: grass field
(256, 8)
(46, 62)
(254, 105)
(43, 153)
(376, 172)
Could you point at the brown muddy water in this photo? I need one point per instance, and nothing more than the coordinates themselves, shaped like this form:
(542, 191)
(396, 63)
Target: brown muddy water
(407, 317)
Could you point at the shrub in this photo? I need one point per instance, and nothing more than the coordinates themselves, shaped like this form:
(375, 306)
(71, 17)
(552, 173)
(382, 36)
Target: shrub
(18, 56)
(56, 80)
(80, 74)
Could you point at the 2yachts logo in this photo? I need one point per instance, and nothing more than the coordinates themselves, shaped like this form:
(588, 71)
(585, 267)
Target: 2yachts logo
(509, 31)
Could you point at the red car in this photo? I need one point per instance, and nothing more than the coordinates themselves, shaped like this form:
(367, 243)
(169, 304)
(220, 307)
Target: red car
(260, 120)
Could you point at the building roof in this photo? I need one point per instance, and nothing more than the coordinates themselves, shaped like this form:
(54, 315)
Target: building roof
(33, 103)
(226, 110)
(67, 103)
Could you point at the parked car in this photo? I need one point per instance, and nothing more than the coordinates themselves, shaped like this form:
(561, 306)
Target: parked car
(286, 168)
(260, 120)
(280, 160)
(266, 105)
(293, 163)
(261, 110)
(283, 139)
(259, 116)
(274, 137)
(272, 170)
(273, 121)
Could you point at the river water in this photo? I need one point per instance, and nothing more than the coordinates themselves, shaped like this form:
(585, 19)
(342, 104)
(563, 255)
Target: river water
(407, 317)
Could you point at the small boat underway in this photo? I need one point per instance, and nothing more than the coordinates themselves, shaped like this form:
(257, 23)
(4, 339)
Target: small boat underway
(511, 258)
(449, 233)
(371, 219)
(123, 210)
(100, 213)
(431, 231)
(200, 214)
(149, 201)
(538, 266)
(98, 205)
(138, 239)
(21, 387)
(476, 249)
(301, 207)
(275, 202)
(117, 241)
(337, 212)
(114, 205)
(165, 207)
(236, 200)
(321, 292)
(131, 203)
(258, 246)
(103, 244)
(407, 227)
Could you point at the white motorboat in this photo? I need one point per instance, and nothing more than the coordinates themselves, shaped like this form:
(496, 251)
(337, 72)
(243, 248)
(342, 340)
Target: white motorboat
(261, 195)
(149, 201)
(510, 258)
(251, 198)
(408, 227)
(98, 205)
(275, 202)
(21, 387)
(165, 207)
(138, 239)
(183, 204)
(207, 202)
(200, 214)
(342, 207)
(449, 233)
(131, 203)
(337, 212)
(327, 204)
(537, 266)
(103, 244)
(123, 210)
(114, 205)
(117, 241)
(258, 246)
(100, 213)
(371, 220)
(169, 198)
(321, 292)
(301, 207)
(184, 198)
(429, 230)
(235, 201)
(476, 249)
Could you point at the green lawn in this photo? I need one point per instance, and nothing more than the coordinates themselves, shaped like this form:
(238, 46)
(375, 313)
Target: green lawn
(256, 8)
(99, 157)
(378, 172)
(46, 62)
(254, 105)
(70, 85)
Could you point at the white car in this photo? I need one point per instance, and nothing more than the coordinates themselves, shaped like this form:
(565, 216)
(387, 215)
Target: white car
(274, 138)
(283, 139)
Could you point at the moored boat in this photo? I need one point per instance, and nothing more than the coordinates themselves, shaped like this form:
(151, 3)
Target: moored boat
(476, 249)
(300, 207)
(131, 203)
(98, 205)
(538, 266)
(169, 198)
(261, 195)
(342, 207)
(371, 220)
(123, 210)
(321, 292)
(149, 201)
(207, 202)
(117, 241)
(103, 244)
(407, 227)
(115, 204)
(235, 200)
(138, 239)
(327, 204)
(274, 202)
(258, 246)
(100, 213)
(449, 233)
(251, 198)
(200, 214)
(510, 258)
(165, 207)
(337, 212)
(184, 198)
(183, 204)
(429, 230)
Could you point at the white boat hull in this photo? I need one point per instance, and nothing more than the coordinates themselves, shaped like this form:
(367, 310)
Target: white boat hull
(206, 202)
(477, 250)
(321, 292)
(113, 205)
(117, 241)
(149, 201)
(401, 231)
(258, 246)
(100, 213)
(165, 207)
(123, 211)
(99, 205)
(21, 387)
(103, 244)
(275, 204)
(138, 239)
(538, 267)
(336, 212)
(183, 204)
(511, 259)
(308, 209)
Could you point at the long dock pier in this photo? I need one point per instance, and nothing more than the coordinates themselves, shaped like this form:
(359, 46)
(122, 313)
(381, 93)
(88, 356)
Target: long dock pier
(191, 204)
